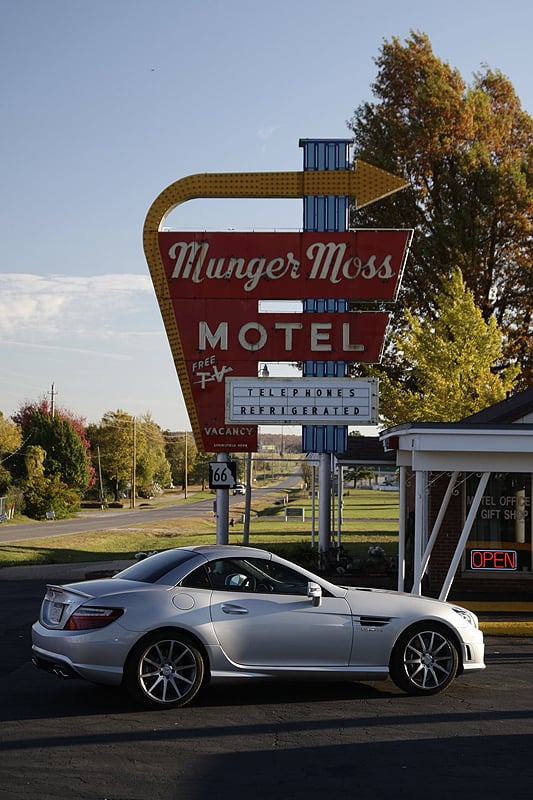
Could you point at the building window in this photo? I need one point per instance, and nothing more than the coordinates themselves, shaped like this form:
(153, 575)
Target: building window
(500, 539)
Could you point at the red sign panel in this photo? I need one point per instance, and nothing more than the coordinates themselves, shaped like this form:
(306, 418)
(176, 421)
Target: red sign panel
(216, 280)
(360, 264)
(207, 377)
(237, 330)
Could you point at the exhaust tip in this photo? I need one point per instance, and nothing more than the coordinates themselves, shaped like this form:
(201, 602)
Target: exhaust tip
(60, 672)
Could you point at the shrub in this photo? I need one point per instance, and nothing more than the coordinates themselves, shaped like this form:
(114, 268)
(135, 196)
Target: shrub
(43, 495)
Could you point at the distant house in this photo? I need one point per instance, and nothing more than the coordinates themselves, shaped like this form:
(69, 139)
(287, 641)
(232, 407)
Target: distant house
(367, 451)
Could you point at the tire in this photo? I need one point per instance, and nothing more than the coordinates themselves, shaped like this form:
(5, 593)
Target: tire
(424, 660)
(165, 670)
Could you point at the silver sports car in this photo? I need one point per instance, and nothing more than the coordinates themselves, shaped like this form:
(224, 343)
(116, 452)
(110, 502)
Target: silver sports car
(169, 623)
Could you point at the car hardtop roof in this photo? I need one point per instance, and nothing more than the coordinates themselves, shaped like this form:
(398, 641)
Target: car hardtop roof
(227, 550)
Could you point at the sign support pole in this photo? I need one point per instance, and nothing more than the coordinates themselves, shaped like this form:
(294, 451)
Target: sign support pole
(222, 506)
(324, 499)
(248, 501)
(323, 213)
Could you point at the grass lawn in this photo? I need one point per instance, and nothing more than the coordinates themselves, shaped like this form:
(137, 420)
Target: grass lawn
(369, 518)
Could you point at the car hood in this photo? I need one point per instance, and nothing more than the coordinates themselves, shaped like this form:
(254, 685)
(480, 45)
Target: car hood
(395, 604)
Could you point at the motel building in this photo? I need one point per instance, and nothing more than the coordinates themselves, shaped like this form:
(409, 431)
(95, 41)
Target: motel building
(466, 518)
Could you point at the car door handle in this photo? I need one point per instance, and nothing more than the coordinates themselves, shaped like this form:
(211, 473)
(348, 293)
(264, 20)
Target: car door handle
(229, 608)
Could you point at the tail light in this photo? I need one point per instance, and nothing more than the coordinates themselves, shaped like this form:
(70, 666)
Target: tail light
(90, 617)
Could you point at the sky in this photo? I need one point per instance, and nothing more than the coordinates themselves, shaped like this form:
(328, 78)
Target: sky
(105, 103)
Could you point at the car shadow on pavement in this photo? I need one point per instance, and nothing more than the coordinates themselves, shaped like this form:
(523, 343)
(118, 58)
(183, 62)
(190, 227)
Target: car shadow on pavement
(42, 696)
(269, 692)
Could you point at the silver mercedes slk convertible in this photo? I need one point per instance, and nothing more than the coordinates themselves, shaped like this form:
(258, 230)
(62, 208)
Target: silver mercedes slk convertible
(166, 625)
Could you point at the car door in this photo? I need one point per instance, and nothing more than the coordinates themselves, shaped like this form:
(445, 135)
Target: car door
(280, 626)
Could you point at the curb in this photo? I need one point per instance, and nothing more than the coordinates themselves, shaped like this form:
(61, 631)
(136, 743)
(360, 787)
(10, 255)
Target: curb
(509, 628)
(502, 618)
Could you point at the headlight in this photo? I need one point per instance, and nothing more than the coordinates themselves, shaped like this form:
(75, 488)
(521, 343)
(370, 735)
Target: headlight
(468, 616)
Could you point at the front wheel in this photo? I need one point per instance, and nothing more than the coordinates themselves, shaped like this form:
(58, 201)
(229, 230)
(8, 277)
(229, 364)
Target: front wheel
(424, 660)
(165, 670)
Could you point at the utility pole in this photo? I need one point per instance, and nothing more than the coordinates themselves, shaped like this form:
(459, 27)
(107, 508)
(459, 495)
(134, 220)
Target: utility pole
(133, 489)
(52, 401)
(185, 468)
(102, 499)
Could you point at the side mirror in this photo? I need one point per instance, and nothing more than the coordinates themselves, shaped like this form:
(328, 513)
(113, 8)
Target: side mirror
(314, 591)
(236, 581)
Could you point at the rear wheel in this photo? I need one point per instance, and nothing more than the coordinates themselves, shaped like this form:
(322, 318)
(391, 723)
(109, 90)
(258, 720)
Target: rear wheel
(165, 670)
(424, 660)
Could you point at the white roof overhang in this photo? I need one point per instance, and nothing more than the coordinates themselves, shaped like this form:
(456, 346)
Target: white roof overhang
(445, 446)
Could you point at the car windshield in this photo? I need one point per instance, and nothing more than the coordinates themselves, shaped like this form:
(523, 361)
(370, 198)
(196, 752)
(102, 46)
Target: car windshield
(151, 569)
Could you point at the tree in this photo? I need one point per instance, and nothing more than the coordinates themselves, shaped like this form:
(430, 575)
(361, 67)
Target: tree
(10, 442)
(152, 464)
(124, 443)
(174, 451)
(449, 362)
(61, 436)
(360, 473)
(10, 435)
(180, 458)
(306, 470)
(467, 153)
(200, 469)
(113, 442)
(46, 493)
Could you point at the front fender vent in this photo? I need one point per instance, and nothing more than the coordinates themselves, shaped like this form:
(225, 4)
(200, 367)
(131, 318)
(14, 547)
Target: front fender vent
(374, 622)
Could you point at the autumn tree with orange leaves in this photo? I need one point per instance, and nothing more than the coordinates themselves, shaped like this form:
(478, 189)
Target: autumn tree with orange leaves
(467, 152)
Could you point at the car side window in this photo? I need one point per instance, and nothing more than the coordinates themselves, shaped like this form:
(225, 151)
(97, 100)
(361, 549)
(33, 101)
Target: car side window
(227, 574)
(257, 575)
(197, 579)
(279, 579)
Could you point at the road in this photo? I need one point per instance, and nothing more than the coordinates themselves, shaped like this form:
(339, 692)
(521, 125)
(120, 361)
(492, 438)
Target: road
(100, 520)
(145, 512)
(74, 740)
